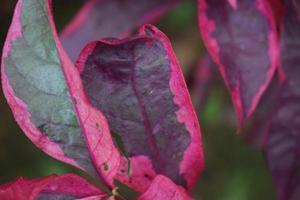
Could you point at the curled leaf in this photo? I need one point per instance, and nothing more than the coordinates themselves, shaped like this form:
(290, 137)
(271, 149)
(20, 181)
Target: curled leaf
(44, 91)
(139, 86)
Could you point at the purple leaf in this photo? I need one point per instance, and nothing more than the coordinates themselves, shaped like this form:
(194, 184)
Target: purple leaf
(139, 86)
(282, 146)
(68, 186)
(257, 133)
(45, 93)
(203, 82)
(110, 18)
(242, 39)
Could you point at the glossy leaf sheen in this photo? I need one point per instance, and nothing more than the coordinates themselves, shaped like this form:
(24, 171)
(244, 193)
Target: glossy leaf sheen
(110, 18)
(163, 188)
(139, 86)
(241, 38)
(68, 186)
(44, 91)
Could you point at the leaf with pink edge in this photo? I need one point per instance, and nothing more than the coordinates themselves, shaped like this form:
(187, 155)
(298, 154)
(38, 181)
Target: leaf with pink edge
(241, 37)
(68, 186)
(44, 91)
(139, 86)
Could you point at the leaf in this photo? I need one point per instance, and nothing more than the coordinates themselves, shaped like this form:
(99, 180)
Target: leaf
(125, 192)
(257, 134)
(164, 188)
(110, 18)
(282, 146)
(44, 91)
(277, 9)
(68, 186)
(204, 79)
(241, 38)
(139, 86)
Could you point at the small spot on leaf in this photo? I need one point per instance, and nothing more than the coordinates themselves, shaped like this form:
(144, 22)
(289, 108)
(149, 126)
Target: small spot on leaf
(105, 166)
(74, 100)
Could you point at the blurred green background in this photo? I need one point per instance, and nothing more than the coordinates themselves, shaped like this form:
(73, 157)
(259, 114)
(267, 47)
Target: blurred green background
(234, 170)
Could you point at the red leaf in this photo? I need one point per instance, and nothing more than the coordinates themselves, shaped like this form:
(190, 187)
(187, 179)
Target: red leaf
(68, 185)
(139, 86)
(110, 18)
(44, 91)
(241, 38)
(163, 188)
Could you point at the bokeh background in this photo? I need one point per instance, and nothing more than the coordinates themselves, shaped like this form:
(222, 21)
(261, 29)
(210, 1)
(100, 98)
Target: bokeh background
(235, 170)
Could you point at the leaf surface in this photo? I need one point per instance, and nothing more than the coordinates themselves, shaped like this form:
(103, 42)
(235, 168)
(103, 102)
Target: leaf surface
(203, 82)
(283, 144)
(110, 18)
(257, 134)
(139, 86)
(163, 188)
(68, 186)
(242, 39)
(44, 91)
